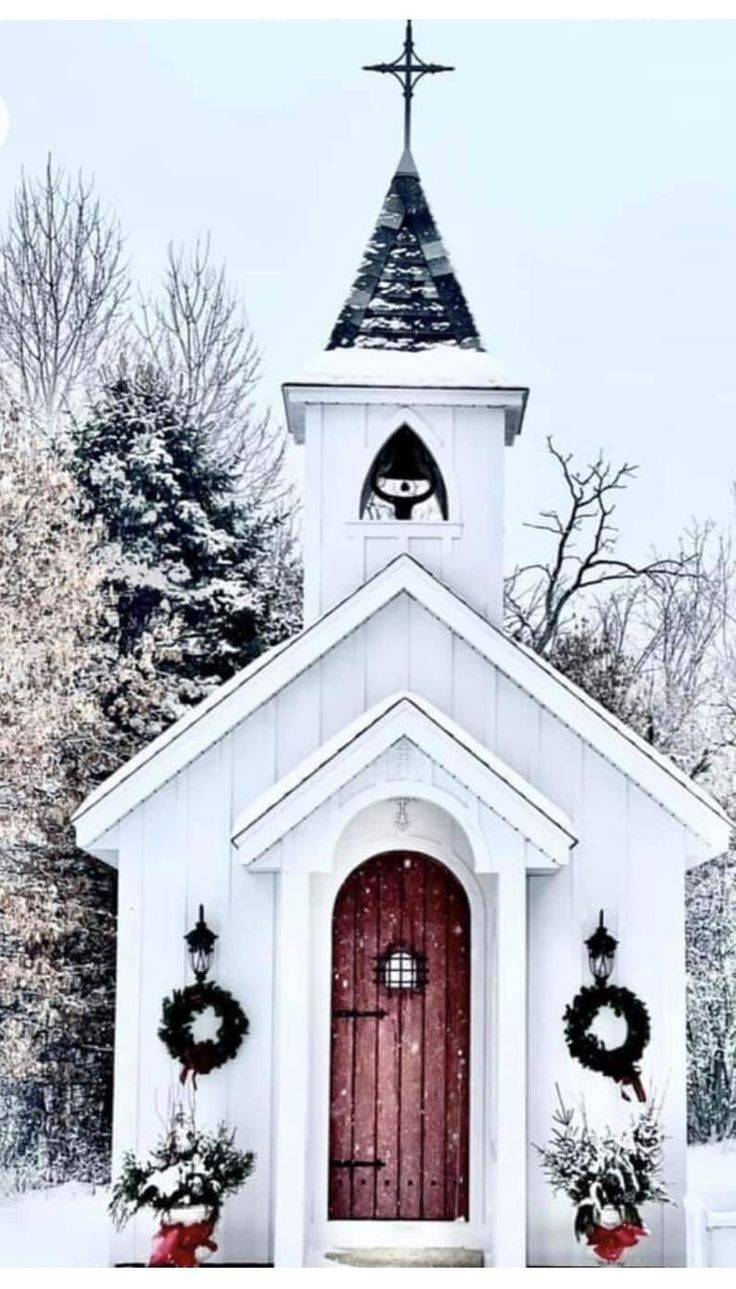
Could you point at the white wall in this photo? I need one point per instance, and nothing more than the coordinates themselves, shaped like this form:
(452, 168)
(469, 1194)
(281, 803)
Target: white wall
(175, 852)
(630, 863)
(341, 551)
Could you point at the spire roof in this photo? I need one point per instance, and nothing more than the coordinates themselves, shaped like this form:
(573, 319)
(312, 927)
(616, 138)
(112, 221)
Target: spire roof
(406, 295)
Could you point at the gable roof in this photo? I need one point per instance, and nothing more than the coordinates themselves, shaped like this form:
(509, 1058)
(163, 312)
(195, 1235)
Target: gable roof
(406, 295)
(249, 689)
(323, 772)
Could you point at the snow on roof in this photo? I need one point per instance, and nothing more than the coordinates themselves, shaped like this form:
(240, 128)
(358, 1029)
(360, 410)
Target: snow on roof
(436, 367)
(441, 368)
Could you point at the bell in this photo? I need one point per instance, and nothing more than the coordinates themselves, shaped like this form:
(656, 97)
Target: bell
(401, 458)
(405, 461)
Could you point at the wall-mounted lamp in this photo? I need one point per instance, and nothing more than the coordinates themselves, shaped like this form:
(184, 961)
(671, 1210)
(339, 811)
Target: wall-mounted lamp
(601, 947)
(201, 944)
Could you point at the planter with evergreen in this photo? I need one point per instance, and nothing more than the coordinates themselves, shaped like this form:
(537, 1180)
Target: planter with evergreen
(608, 1177)
(185, 1181)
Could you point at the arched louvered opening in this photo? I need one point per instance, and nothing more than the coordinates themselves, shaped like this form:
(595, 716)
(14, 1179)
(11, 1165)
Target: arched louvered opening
(404, 481)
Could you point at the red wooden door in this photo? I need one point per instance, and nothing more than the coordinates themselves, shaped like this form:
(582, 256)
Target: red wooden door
(400, 1042)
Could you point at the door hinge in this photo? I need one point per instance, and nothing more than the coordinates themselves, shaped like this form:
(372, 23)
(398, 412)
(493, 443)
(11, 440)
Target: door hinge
(357, 1163)
(352, 1013)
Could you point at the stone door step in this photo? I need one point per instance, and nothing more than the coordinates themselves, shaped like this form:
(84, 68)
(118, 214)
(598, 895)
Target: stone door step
(407, 1257)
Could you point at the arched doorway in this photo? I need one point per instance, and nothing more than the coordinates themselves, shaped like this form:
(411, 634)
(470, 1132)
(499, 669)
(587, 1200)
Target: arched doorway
(400, 1046)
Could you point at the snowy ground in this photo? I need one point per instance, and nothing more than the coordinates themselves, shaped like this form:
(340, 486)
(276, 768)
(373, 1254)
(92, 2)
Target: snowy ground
(711, 1176)
(67, 1226)
(711, 1171)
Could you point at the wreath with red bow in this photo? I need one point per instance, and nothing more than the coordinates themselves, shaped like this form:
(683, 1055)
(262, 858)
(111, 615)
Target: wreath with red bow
(178, 1015)
(618, 1063)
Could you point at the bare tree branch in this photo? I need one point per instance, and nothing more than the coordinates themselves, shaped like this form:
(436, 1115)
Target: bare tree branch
(198, 333)
(63, 285)
(540, 596)
(658, 651)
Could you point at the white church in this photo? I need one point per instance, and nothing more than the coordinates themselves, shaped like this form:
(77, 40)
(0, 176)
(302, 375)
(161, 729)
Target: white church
(402, 825)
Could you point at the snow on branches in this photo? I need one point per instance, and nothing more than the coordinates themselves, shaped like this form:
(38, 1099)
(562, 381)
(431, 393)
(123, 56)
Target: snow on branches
(598, 1170)
(50, 607)
(711, 1000)
(188, 554)
(188, 1169)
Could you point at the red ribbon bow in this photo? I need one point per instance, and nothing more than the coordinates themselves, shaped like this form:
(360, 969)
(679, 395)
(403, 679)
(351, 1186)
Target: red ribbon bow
(609, 1242)
(633, 1080)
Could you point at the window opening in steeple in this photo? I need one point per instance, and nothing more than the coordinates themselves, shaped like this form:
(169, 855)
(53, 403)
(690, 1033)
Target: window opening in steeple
(404, 481)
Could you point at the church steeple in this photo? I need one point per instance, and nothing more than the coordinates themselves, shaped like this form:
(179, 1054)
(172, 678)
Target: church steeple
(404, 418)
(406, 295)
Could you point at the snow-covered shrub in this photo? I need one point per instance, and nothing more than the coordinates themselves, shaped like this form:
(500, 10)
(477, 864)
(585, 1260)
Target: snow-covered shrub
(598, 1170)
(188, 1168)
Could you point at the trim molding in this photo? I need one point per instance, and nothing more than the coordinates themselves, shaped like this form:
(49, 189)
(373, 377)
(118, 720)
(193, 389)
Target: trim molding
(321, 775)
(232, 702)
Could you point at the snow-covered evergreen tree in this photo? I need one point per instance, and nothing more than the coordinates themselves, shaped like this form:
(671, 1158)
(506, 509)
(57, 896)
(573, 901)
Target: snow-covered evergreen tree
(57, 947)
(186, 553)
(51, 606)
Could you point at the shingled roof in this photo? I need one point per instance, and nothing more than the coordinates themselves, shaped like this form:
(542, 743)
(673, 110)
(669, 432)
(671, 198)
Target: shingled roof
(406, 295)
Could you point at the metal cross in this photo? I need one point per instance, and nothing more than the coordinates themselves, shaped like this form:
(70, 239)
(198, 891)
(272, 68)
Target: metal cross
(408, 69)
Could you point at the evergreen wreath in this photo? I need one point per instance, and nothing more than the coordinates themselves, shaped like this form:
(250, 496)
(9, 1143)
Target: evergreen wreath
(178, 1016)
(618, 1063)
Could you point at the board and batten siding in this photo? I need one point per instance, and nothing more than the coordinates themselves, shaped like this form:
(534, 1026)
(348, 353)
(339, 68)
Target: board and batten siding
(465, 551)
(627, 846)
(175, 852)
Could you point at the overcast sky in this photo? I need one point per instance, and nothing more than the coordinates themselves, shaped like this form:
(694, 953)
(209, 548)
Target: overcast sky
(583, 176)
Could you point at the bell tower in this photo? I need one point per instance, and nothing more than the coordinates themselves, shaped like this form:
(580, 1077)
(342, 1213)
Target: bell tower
(403, 418)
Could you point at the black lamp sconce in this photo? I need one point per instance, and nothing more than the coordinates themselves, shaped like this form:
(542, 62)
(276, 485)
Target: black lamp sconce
(201, 945)
(601, 946)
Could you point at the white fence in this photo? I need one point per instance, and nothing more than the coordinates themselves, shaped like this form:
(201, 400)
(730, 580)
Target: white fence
(711, 1230)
